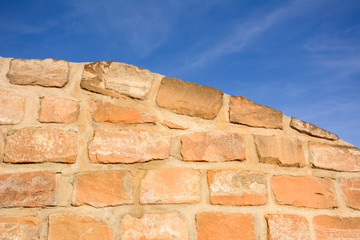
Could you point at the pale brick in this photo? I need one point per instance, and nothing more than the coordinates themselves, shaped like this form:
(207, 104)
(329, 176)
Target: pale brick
(351, 190)
(18, 228)
(173, 125)
(12, 108)
(311, 129)
(58, 110)
(336, 228)
(287, 226)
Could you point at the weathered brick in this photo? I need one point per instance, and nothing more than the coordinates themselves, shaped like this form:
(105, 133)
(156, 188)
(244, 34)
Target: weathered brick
(189, 98)
(212, 147)
(173, 125)
(128, 146)
(310, 192)
(287, 226)
(154, 226)
(311, 129)
(106, 112)
(331, 227)
(31, 189)
(70, 226)
(12, 107)
(43, 72)
(172, 185)
(244, 111)
(231, 187)
(221, 225)
(280, 150)
(103, 188)
(18, 228)
(41, 144)
(116, 79)
(58, 110)
(351, 190)
(338, 158)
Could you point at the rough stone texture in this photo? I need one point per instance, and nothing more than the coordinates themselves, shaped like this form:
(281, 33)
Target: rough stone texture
(280, 150)
(31, 189)
(116, 79)
(287, 226)
(172, 125)
(42, 72)
(189, 98)
(69, 226)
(18, 228)
(41, 144)
(103, 188)
(212, 146)
(221, 225)
(229, 187)
(171, 185)
(338, 158)
(310, 192)
(351, 190)
(128, 146)
(58, 110)
(311, 129)
(161, 226)
(106, 112)
(12, 107)
(334, 228)
(244, 111)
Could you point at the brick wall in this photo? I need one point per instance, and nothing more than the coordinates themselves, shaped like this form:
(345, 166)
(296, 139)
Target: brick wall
(108, 150)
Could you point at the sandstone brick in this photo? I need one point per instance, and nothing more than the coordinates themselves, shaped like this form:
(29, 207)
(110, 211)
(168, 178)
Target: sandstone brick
(58, 110)
(18, 228)
(103, 188)
(174, 185)
(128, 146)
(41, 144)
(169, 226)
(333, 228)
(287, 226)
(173, 125)
(310, 192)
(338, 158)
(234, 187)
(106, 112)
(70, 226)
(12, 107)
(43, 72)
(351, 190)
(213, 147)
(244, 111)
(189, 98)
(280, 150)
(116, 79)
(31, 189)
(311, 129)
(221, 225)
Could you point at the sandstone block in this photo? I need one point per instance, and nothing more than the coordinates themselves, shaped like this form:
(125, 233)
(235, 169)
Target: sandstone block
(103, 188)
(42, 72)
(287, 226)
(221, 225)
(338, 158)
(351, 190)
(174, 185)
(69, 226)
(41, 144)
(310, 192)
(154, 226)
(331, 227)
(311, 129)
(106, 112)
(244, 111)
(58, 110)
(12, 108)
(116, 79)
(173, 125)
(18, 228)
(213, 147)
(229, 187)
(188, 98)
(280, 150)
(128, 146)
(31, 189)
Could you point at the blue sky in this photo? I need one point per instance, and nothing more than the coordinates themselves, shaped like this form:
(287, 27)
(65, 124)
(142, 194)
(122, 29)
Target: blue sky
(298, 56)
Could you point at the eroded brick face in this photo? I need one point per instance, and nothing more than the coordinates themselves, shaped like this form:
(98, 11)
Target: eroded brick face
(333, 227)
(287, 226)
(12, 108)
(351, 190)
(58, 110)
(14, 228)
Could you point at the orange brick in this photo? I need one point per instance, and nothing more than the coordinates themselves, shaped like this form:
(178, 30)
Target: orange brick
(173, 125)
(58, 110)
(18, 228)
(287, 226)
(331, 227)
(351, 190)
(12, 108)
